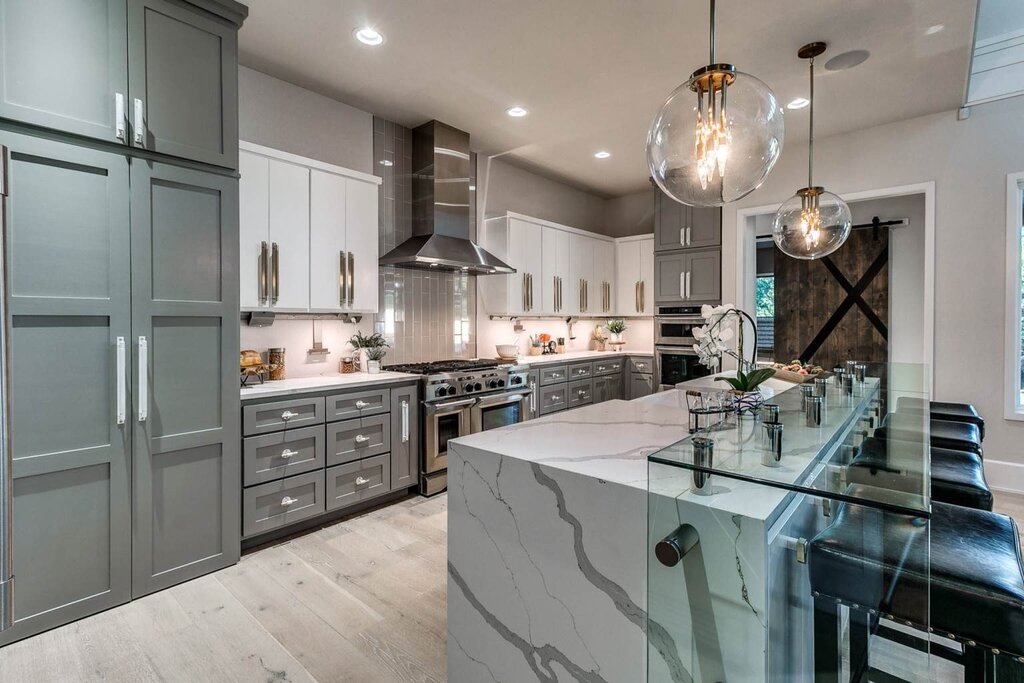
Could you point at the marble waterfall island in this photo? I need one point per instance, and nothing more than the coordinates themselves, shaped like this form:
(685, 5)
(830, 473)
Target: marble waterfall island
(549, 546)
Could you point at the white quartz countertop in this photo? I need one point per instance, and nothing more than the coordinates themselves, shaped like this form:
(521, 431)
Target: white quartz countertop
(304, 385)
(571, 356)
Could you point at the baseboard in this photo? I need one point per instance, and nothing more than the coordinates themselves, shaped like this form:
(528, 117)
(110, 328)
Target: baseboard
(1005, 476)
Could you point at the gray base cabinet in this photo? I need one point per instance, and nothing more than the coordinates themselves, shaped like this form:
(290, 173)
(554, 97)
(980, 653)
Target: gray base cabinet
(641, 376)
(563, 386)
(329, 451)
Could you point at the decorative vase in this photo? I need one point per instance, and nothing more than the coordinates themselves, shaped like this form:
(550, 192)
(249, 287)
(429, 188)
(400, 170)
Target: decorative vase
(746, 402)
(363, 360)
(373, 367)
(536, 350)
(616, 337)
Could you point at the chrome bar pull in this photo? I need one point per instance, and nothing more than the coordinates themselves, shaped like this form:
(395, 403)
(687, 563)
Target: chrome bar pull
(138, 126)
(143, 379)
(688, 284)
(264, 267)
(405, 421)
(342, 277)
(351, 278)
(6, 474)
(288, 501)
(288, 453)
(275, 274)
(120, 126)
(122, 394)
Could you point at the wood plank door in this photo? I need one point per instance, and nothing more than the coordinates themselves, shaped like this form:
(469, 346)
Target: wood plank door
(187, 466)
(68, 240)
(836, 308)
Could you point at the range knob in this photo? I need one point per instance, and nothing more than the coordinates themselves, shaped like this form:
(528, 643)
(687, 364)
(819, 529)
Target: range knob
(441, 390)
(452, 391)
(495, 383)
(477, 386)
(469, 387)
(516, 379)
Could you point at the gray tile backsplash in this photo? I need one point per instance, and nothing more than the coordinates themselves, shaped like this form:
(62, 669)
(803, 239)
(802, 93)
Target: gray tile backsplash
(424, 315)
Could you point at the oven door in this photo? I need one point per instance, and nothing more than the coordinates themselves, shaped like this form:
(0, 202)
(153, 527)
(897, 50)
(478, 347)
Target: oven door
(444, 422)
(674, 364)
(500, 410)
(676, 330)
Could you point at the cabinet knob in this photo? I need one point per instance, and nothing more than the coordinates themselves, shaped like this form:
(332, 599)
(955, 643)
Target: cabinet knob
(361, 404)
(361, 439)
(288, 501)
(362, 481)
(287, 415)
(288, 453)
(641, 366)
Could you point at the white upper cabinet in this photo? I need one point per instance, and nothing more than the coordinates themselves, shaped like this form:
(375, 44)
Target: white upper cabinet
(518, 243)
(309, 237)
(602, 299)
(556, 287)
(634, 276)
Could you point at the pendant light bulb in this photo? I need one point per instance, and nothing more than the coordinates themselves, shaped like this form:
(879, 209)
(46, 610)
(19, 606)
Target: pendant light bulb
(814, 222)
(722, 147)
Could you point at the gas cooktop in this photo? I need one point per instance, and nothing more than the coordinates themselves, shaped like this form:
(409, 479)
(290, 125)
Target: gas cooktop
(442, 366)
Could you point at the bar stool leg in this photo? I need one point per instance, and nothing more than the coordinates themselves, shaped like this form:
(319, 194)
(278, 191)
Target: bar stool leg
(978, 665)
(826, 641)
(860, 633)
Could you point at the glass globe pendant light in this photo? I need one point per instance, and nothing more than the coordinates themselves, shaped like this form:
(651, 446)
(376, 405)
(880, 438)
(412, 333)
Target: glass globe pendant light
(812, 223)
(721, 147)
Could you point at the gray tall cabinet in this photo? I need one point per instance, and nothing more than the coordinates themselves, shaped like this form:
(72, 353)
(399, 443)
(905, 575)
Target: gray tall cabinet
(122, 238)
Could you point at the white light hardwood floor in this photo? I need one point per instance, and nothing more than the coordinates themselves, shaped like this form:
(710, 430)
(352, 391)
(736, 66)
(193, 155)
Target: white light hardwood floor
(361, 600)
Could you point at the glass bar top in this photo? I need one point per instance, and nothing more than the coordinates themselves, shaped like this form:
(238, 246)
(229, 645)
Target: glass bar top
(840, 460)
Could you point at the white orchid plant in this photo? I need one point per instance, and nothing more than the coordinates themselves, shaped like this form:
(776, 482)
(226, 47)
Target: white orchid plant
(714, 337)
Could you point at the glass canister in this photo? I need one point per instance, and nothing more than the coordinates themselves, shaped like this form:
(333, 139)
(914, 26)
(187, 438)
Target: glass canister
(347, 365)
(276, 359)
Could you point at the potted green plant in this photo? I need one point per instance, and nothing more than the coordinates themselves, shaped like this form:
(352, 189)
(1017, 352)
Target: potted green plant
(615, 328)
(374, 355)
(362, 343)
(747, 396)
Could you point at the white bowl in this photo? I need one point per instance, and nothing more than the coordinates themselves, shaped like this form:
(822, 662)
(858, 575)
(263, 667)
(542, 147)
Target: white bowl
(508, 350)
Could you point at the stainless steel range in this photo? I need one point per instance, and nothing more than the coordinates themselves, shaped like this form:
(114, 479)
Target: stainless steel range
(463, 397)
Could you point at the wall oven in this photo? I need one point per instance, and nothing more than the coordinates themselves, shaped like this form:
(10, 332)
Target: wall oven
(675, 364)
(674, 325)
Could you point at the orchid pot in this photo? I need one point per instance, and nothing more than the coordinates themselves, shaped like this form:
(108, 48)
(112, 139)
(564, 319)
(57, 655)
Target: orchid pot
(745, 393)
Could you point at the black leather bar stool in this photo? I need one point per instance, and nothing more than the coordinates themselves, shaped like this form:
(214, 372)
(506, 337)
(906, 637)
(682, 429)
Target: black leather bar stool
(957, 477)
(958, 436)
(876, 563)
(944, 410)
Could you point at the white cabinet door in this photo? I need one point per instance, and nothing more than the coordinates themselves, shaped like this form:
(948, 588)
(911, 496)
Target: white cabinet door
(361, 235)
(254, 229)
(581, 275)
(289, 236)
(326, 241)
(647, 276)
(627, 277)
(602, 296)
(556, 287)
(526, 256)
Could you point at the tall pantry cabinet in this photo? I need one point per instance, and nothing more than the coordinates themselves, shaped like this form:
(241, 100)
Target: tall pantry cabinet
(119, 144)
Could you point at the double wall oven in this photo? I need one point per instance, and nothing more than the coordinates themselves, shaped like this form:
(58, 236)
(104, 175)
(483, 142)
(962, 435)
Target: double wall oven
(675, 360)
(460, 398)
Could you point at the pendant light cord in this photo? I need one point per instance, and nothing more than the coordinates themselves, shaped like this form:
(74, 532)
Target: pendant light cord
(712, 41)
(810, 139)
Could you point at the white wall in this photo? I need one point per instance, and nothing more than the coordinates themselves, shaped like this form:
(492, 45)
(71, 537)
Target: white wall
(968, 161)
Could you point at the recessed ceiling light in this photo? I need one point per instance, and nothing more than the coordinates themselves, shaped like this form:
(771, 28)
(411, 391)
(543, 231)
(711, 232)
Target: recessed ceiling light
(602, 154)
(386, 162)
(798, 103)
(847, 60)
(932, 30)
(516, 112)
(369, 36)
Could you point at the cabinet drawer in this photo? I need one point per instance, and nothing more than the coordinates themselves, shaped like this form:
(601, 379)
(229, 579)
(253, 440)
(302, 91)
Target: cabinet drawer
(280, 503)
(358, 404)
(354, 439)
(580, 371)
(282, 454)
(273, 417)
(356, 481)
(581, 392)
(608, 367)
(553, 399)
(552, 374)
(643, 364)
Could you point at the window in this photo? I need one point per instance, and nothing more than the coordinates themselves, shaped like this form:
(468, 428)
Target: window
(1014, 375)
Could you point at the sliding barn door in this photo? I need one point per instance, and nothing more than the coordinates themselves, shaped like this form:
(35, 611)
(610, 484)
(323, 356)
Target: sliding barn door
(836, 308)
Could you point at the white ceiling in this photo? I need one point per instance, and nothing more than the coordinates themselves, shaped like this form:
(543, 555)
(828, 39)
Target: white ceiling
(594, 72)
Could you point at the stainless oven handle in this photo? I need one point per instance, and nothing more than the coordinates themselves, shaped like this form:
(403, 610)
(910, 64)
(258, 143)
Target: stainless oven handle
(435, 408)
(489, 401)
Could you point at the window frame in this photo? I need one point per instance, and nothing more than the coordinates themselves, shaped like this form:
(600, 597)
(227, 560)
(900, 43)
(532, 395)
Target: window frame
(1014, 404)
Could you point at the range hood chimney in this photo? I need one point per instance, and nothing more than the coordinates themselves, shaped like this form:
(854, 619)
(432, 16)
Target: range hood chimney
(440, 207)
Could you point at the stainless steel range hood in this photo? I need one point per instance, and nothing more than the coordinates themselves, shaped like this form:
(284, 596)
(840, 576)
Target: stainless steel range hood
(440, 207)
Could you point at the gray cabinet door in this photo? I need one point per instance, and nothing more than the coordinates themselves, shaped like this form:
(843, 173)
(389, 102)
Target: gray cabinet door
(282, 454)
(670, 217)
(614, 391)
(185, 340)
(357, 481)
(581, 392)
(358, 404)
(359, 438)
(580, 371)
(62, 64)
(552, 374)
(405, 437)
(705, 269)
(182, 68)
(553, 399)
(640, 385)
(69, 284)
(261, 418)
(705, 227)
(668, 277)
(280, 503)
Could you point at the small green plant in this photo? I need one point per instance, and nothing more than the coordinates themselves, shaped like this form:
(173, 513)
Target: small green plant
(749, 381)
(616, 326)
(371, 341)
(376, 352)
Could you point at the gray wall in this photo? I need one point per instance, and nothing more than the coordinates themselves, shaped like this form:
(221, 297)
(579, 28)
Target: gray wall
(631, 214)
(277, 114)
